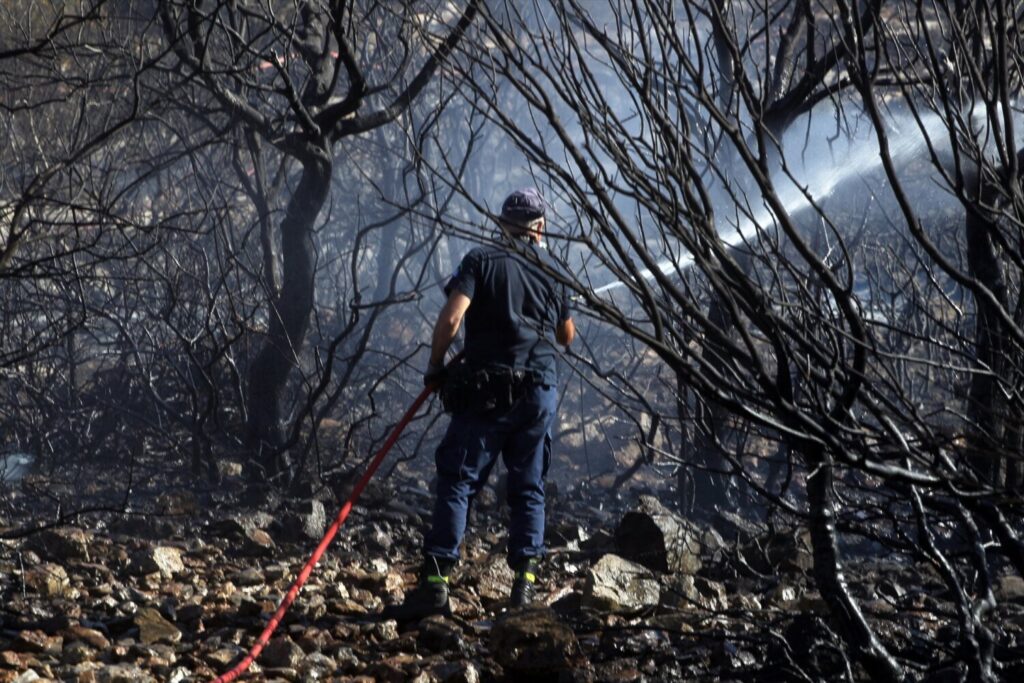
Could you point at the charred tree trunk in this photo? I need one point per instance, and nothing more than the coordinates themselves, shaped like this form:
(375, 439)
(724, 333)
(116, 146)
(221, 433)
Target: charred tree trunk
(986, 407)
(853, 627)
(289, 313)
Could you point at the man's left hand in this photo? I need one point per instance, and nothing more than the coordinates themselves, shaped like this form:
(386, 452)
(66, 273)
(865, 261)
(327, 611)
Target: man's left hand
(434, 376)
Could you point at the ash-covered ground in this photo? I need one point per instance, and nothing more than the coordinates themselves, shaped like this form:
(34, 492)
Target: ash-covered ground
(179, 589)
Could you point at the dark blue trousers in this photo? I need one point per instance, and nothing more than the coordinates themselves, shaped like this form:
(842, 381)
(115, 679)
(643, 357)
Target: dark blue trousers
(464, 460)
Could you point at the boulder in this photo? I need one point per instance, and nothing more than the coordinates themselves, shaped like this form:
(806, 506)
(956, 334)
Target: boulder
(165, 560)
(309, 520)
(615, 584)
(61, 544)
(658, 539)
(532, 643)
(153, 628)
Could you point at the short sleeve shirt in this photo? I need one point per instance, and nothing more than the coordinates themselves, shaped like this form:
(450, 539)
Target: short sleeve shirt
(517, 304)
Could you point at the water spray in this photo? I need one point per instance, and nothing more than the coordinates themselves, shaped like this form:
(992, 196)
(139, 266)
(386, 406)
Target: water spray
(864, 159)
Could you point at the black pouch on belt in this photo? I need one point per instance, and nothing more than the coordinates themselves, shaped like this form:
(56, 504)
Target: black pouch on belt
(484, 390)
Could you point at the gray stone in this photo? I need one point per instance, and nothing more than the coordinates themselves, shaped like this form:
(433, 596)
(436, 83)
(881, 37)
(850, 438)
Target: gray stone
(179, 674)
(165, 560)
(438, 633)
(316, 665)
(1010, 588)
(533, 642)
(224, 656)
(153, 628)
(493, 578)
(61, 544)
(282, 652)
(309, 520)
(615, 584)
(250, 576)
(123, 673)
(451, 672)
(683, 591)
(658, 539)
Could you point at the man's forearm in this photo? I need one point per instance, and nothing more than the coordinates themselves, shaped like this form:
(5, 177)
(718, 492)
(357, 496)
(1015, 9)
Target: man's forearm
(444, 335)
(447, 326)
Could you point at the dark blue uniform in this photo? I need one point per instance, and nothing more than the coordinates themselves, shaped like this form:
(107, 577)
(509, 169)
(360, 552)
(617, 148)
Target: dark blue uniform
(516, 309)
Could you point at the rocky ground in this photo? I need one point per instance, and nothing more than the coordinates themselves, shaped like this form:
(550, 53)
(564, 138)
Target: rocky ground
(630, 592)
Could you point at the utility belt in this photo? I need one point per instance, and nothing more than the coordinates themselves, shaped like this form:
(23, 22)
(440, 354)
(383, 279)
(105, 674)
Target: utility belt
(476, 391)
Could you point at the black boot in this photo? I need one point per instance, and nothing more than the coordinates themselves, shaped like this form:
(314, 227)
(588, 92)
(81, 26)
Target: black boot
(523, 588)
(429, 597)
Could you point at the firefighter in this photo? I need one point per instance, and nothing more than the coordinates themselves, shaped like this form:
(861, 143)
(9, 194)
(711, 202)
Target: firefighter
(502, 398)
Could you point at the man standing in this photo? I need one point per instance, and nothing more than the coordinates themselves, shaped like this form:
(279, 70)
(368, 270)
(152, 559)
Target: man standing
(502, 398)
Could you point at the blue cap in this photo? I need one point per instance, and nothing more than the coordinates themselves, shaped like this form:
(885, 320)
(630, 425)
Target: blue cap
(523, 206)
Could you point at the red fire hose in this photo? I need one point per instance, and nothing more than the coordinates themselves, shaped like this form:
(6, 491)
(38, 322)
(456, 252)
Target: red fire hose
(307, 569)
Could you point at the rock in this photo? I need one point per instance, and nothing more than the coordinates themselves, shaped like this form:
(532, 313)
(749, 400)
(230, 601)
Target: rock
(225, 656)
(153, 628)
(658, 539)
(19, 661)
(178, 675)
(532, 642)
(165, 560)
(385, 630)
(178, 503)
(787, 550)
(77, 652)
(688, 592)
(1010, 588)
(308, 521)
(49, 580)
(89, 636)
(250, 576)
(493, 578)
(259, 542)
(123, 673)
(615, 584)
(282, 652)
(61, 544)
(316, 666)
(783, 595)
(229, 468)
(438, 633)
(452, 672)
(37, 641)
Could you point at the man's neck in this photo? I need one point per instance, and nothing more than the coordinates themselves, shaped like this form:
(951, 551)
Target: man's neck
(526, 237)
